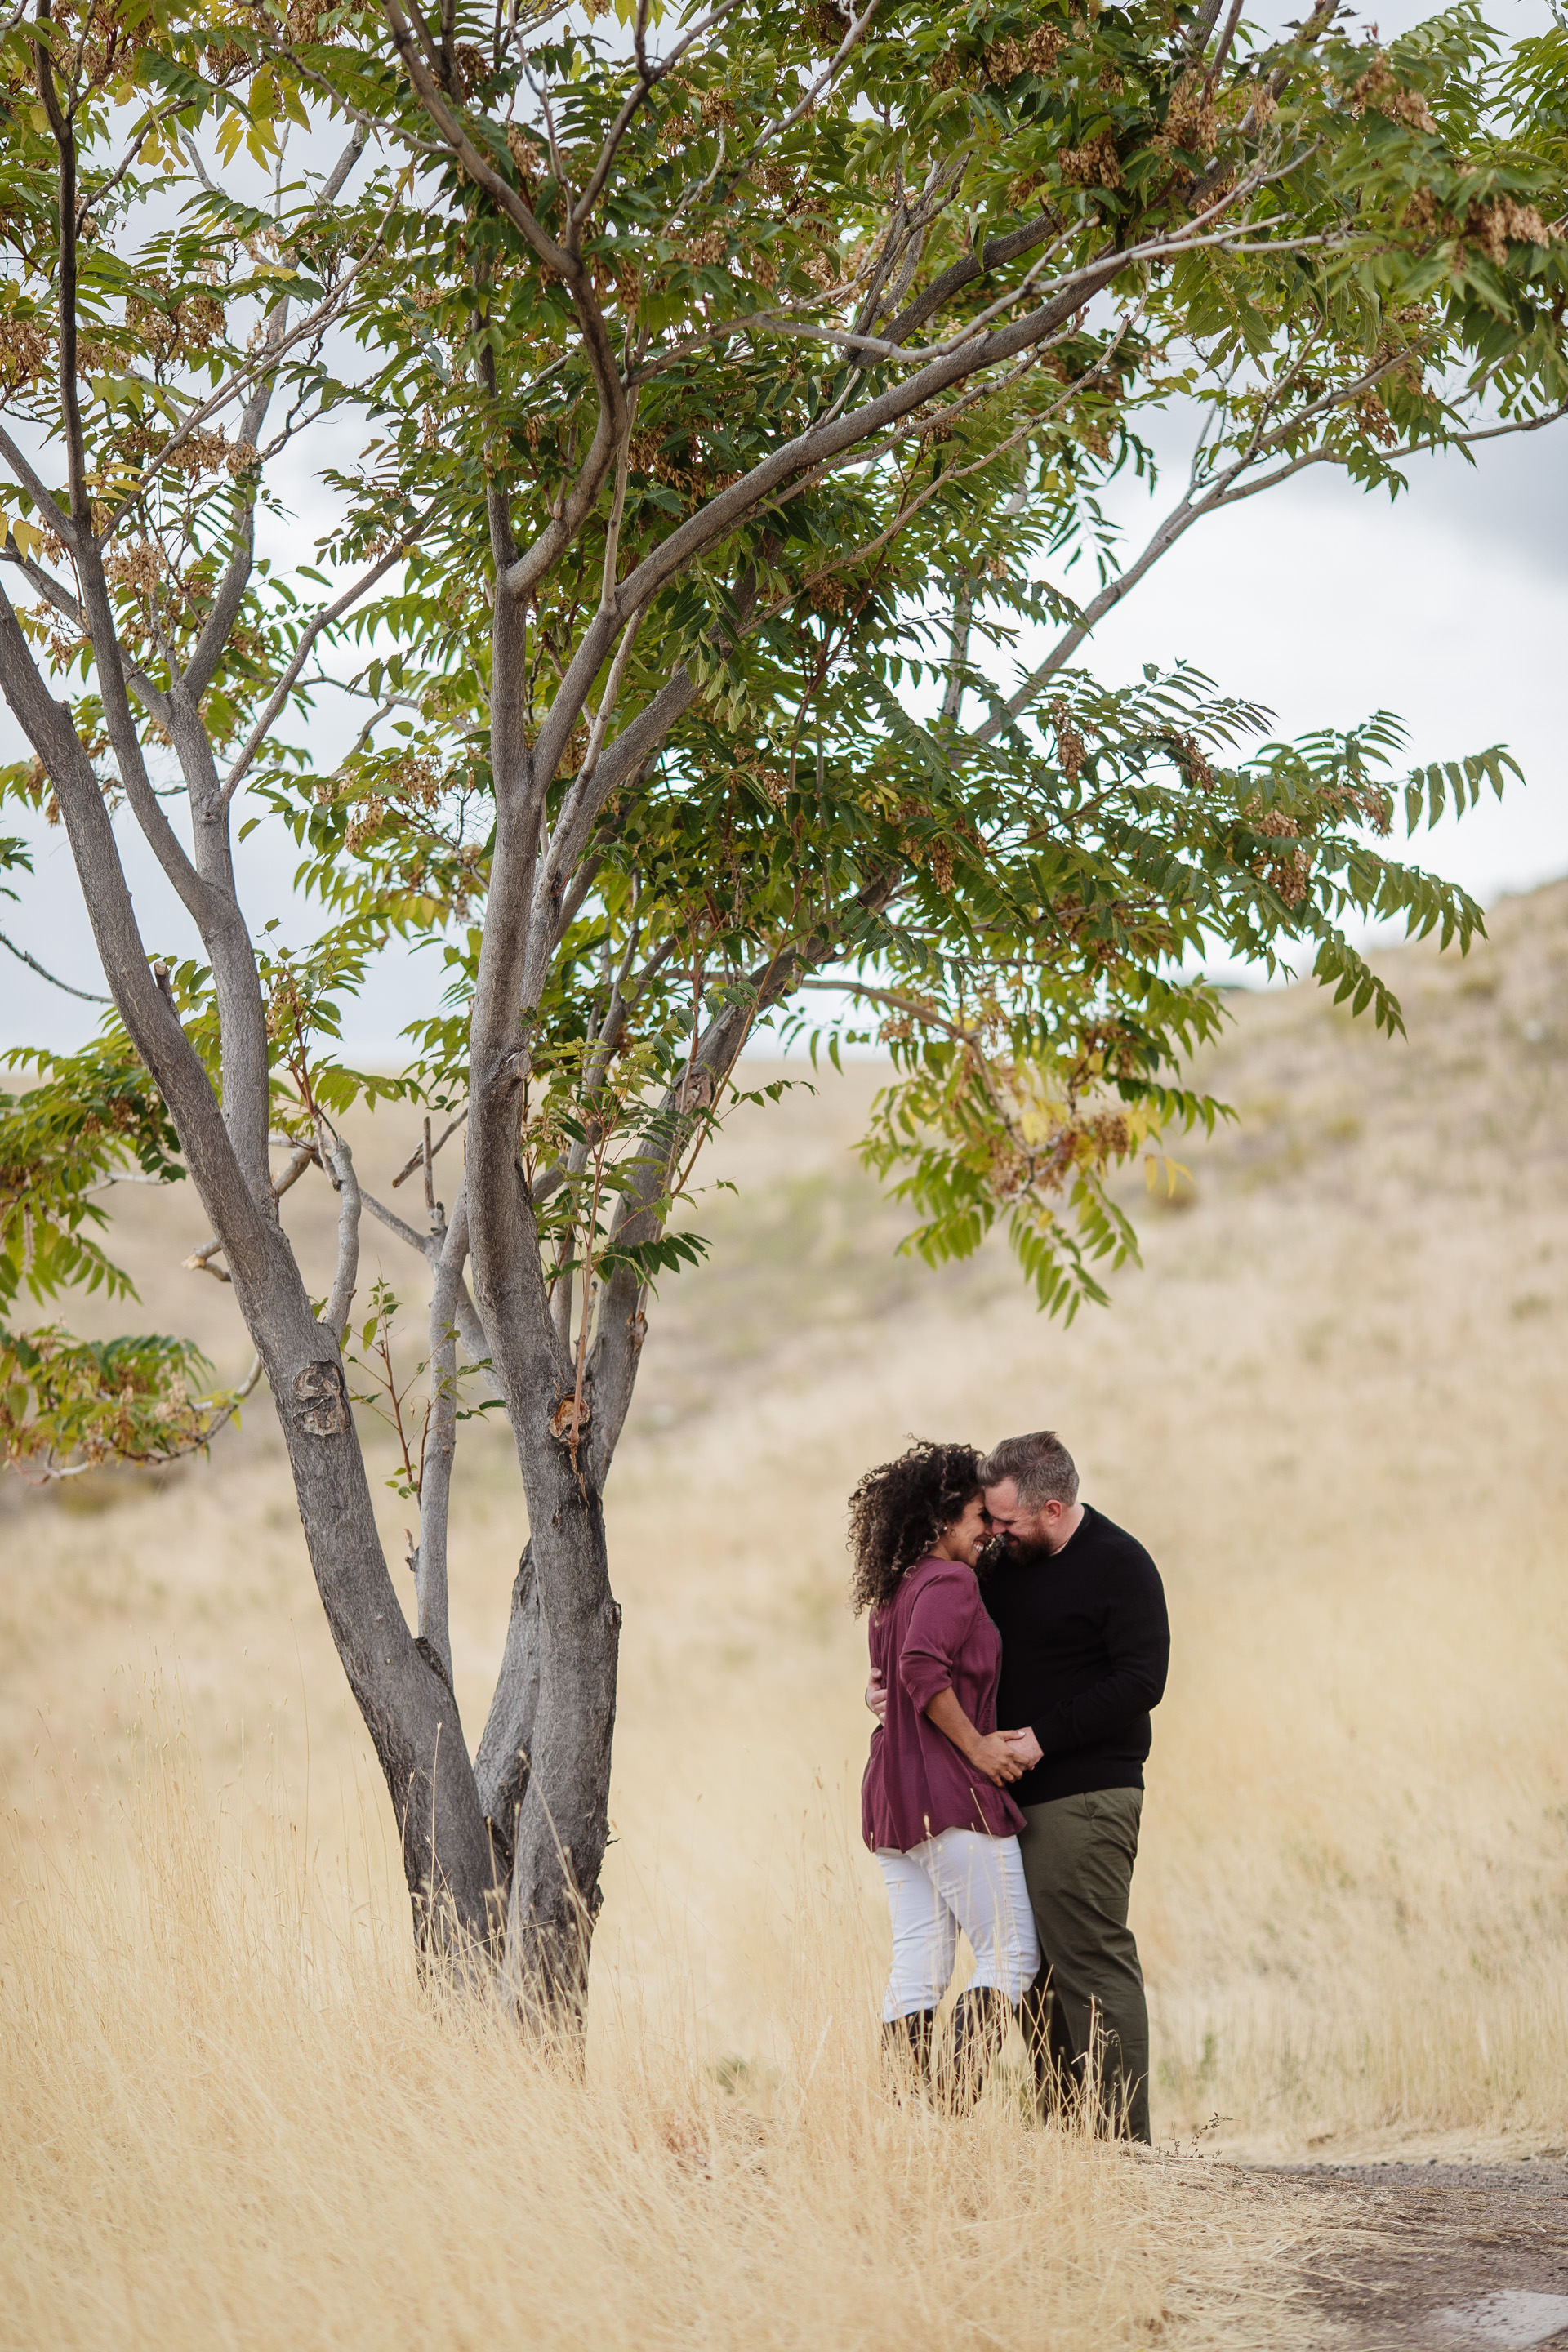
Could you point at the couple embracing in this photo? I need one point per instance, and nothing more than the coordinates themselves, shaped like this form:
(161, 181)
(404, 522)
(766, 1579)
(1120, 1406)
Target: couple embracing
(997, 1597)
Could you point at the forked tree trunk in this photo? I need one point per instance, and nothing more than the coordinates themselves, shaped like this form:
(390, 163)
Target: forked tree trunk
(563, 1822)
(506, 1744)
(408, 1709)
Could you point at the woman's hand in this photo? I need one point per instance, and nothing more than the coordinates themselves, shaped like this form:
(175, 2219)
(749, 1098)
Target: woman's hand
(993, 1754)
(876, 1696)
(990, 1752)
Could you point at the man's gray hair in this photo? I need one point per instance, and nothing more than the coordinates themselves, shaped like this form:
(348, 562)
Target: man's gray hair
(1038, 1465)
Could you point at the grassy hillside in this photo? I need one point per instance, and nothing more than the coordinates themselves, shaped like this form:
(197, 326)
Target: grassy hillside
(1329, 1402)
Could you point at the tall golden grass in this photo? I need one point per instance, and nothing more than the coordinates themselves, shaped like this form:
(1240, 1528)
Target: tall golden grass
(1328, 1403)
(236, 2117)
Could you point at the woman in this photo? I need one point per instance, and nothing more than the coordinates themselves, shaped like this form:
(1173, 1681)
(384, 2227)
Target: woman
(933, 1806)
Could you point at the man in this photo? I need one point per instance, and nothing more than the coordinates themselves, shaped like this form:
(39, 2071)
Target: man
(1085, 1647)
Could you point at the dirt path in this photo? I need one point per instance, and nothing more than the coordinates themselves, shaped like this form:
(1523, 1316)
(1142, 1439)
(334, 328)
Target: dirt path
(1438, 2257)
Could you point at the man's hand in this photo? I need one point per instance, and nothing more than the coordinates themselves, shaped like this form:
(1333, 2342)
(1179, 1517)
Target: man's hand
(877, 1697)
(994, 1754)
(1024, 1746)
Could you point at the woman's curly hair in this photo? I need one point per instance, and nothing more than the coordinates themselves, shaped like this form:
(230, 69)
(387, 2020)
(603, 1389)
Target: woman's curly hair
(898, 1510)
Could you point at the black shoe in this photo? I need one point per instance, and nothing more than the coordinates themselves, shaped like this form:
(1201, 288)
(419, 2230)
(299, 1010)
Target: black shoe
(1057, 2072)
(906, 2042)
(980, 2023)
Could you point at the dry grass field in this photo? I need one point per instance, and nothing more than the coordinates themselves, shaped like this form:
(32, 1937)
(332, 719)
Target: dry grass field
(1330, 1402)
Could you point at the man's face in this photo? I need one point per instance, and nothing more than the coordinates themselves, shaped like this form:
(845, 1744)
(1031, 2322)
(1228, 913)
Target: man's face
(1010, 1521)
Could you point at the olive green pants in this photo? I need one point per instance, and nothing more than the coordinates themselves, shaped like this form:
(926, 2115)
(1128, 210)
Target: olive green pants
(1078, 1854)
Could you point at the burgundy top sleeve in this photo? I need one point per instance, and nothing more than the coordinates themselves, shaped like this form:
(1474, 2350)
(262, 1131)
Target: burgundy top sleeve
(935, 1637)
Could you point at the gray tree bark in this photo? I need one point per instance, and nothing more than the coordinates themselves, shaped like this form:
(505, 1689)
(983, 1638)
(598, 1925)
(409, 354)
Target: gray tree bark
(502, 1766)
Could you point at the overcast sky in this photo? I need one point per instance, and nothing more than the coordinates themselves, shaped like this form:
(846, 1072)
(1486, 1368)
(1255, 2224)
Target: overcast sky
(1449, 606)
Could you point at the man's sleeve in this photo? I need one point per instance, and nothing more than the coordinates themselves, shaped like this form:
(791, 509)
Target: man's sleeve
(939, 1625)
(1138, 1638)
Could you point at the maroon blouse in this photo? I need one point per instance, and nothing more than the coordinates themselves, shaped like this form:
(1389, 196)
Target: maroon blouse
(933, 1635)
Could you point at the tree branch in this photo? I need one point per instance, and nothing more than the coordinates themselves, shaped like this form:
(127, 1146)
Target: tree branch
(155, 1030)
(440, 1438)
(419, 1159)
(101, 629)
(323, 620)
(992, 255)
(851, 40)
(52, 513)
(86, 994)
(428, 1244)
(315, 323)
(565, 262)
(154, 700)
(650, 74)
(338, 1157)
(819, 444)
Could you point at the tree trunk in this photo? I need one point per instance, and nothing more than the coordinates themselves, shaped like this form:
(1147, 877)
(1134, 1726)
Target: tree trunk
(506, 1744)
(406, 1703)
(562, 1822)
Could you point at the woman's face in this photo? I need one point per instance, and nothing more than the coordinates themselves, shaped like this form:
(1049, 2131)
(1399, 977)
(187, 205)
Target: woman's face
(970, 1533)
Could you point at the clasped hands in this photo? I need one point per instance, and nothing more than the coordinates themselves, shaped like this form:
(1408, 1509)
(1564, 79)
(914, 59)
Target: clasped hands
(999, 1756)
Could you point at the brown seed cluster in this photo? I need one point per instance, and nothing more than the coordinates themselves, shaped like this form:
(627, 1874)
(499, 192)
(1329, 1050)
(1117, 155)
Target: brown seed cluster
(1372, 415)
(619, 280)
(288, 1007)
(573, 750)
(647, 455)
(1078, 1141)
(177, 328)
(139, 567)
(826, 25)
(26, 354)
(1189, 756)
(528, 159)
(304, 20)
(1257, 99)
(1191, 123)
(109, 46)
(787, 187)
(1096, 165)
(211, 452)
(1009, 1171)
(225, 61)
(1002, 63)
(470, 67)
(1492, 224)
(1504, 221)
(1290, 870)
(67, 1381)
(1069, 741)
(692, 110)
(414, 780)
(1379, 89)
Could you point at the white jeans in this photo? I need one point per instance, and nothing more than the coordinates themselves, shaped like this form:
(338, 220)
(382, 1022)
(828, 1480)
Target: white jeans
(957, 1879)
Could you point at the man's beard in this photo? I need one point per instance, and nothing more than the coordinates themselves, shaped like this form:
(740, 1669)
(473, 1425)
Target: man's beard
(1015, 1551)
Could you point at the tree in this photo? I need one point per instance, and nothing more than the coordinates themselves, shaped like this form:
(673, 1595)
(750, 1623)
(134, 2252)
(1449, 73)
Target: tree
(734, 385)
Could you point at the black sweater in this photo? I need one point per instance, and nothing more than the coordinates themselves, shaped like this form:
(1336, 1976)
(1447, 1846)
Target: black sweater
(1085, 1646)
